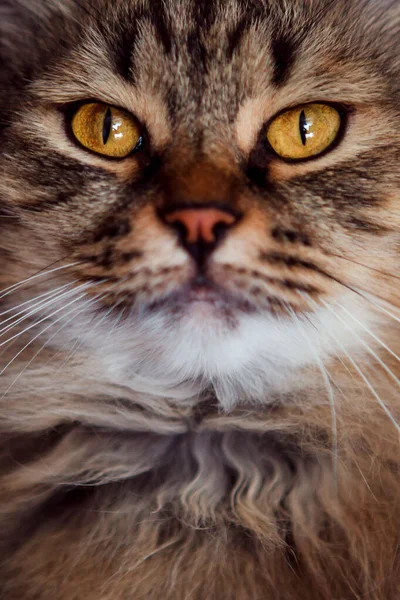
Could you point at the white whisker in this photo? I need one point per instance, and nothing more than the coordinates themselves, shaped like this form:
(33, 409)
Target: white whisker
(75, 312)
(363, 343)
(325, 376)
(71, 352)
(25, 312)
(358, 370)
(381, 308)
(88, 302)
(375, 337)
(77, 345)
(41, 332)
(82, 288)
(15, 286)
(367, 382)
(32, 301)
(118, 320)
(42, 305)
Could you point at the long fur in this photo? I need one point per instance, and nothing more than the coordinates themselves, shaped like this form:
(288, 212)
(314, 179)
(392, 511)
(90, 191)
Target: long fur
(225, 453)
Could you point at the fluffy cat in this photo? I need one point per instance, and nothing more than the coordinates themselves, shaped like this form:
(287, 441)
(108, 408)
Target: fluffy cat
(199, 337)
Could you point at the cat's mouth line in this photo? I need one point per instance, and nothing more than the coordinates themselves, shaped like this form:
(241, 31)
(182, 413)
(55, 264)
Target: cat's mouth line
(248, 275)
(202, 291)
(220, 286)
(205, 291)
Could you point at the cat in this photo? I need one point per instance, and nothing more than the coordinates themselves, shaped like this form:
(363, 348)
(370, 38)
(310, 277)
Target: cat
(199, 335)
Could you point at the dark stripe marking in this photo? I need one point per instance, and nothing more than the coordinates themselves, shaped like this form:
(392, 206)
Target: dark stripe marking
(285, 283)
(127, 32)
(288, 235)
(197, 50)
(112, 229)
(121, 47)
(251, 13)
(159, 19)
(274, 258)
(235, 36)
(127, 257)
(110, 257)
(205, 13)
(352, 222)
(284, 55)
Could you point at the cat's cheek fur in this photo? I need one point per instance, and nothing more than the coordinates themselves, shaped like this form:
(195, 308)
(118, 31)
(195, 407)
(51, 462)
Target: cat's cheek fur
(248, 358)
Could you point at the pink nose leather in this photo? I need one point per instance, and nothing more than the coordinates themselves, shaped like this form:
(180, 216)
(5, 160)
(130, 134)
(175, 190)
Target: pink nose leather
(200, 223)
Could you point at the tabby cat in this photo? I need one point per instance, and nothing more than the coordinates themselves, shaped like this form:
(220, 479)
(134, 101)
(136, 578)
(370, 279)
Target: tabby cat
(200, 306)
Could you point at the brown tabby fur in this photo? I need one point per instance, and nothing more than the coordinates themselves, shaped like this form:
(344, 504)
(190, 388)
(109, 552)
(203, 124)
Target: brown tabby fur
(115, 492)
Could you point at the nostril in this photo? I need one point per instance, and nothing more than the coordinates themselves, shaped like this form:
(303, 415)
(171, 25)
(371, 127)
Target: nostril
(181, 230)
(205, 225)
(200, 229)
(219, 231)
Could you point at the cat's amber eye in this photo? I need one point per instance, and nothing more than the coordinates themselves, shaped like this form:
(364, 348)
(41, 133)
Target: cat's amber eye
(106, 130)
(305, 131)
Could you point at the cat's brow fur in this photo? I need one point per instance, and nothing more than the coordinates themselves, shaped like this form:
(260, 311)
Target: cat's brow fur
(123, 474)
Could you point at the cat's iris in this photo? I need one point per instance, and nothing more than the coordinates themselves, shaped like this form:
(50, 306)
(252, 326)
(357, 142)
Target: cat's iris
(305, 131)
(106, 130)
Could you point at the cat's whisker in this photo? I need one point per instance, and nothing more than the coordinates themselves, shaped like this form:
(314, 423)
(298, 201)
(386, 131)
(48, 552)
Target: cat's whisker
(71, 352)
(41, 273)
(357, 290)
(184, 434)
(331, 396)
(363, 343)
(78, 344)
(75, 312)
(31, 304)
(358, 370)
(82, 288)
(61, 349)
(366, 295)
(382, 308)
(6, 348)
(117, 321)
(40, 307)
(368, 383)
(37, 354)
(384, 304)
(32, 301)
(337, 386)
(360, 264)
(367, 330)
(33, 340)
(29, 286)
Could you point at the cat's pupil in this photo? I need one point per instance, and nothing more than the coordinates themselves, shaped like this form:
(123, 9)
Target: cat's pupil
(107, 126)
(303, 127)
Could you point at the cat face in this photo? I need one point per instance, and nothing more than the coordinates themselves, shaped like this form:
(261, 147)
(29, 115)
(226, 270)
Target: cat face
(204, 252)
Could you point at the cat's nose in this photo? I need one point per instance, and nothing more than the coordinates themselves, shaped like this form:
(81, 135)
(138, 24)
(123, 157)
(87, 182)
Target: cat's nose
(200, 229)
(200, 224)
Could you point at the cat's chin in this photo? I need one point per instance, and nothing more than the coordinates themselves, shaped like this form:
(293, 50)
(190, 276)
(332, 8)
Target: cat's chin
(207, 300)
(204, 339)
(204, 302)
